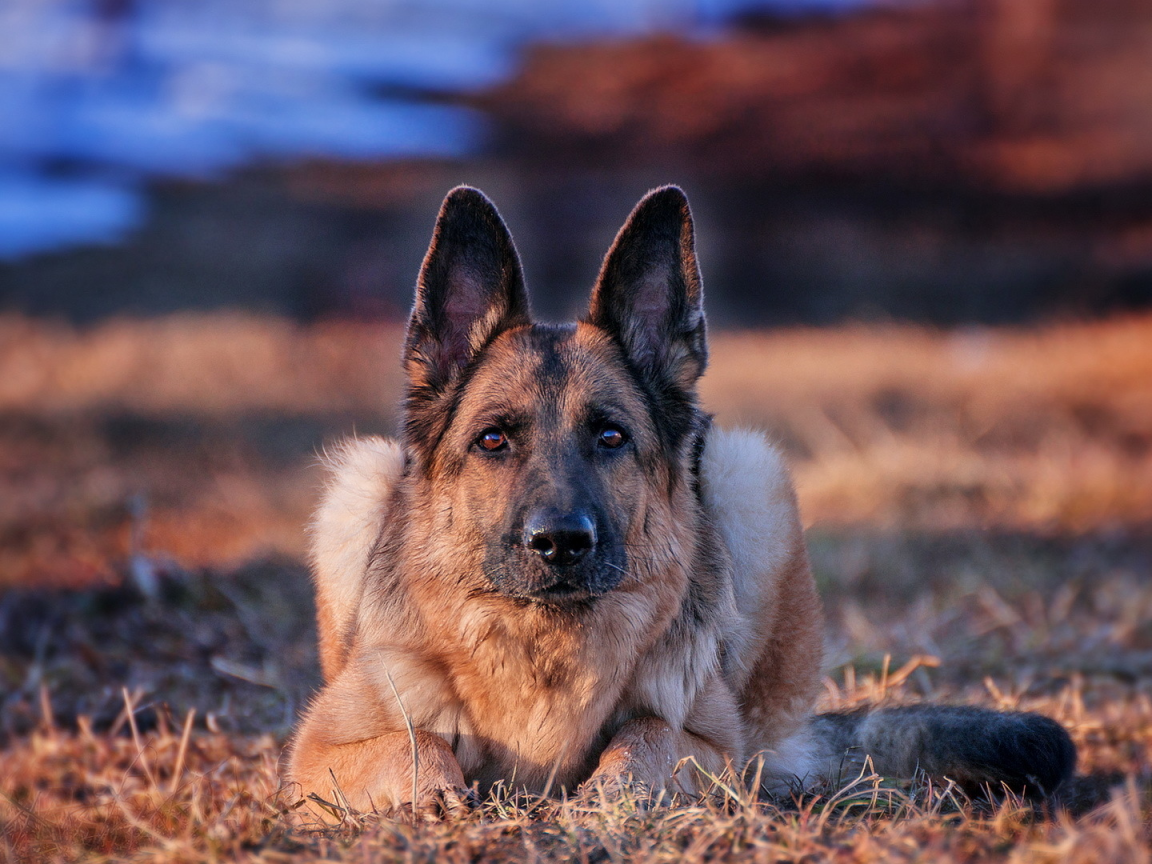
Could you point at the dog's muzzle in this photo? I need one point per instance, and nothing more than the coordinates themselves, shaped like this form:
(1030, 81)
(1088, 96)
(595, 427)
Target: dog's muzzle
(560, 539)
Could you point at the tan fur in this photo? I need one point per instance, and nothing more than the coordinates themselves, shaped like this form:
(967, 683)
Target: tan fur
(566, 579)
(777, 643)
(347, 523)
(773, 636)
(682, 624)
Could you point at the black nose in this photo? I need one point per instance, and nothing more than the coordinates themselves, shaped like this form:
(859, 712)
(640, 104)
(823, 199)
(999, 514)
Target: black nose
(560, 538)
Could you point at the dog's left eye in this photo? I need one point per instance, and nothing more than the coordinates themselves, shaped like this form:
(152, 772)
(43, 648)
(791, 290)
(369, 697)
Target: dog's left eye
(611, 437)
(492, 440)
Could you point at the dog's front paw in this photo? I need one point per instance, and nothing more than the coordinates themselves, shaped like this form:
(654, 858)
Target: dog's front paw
(435, 805)
(637, 765)
(605, 787)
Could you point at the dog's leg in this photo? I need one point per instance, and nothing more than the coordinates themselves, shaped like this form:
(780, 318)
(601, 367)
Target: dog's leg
(644, 755)
(650, 754)
(377, 774)
(353, 748)
(363, 473)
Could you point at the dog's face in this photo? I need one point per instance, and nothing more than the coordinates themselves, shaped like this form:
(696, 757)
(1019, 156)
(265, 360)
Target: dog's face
(546, 450)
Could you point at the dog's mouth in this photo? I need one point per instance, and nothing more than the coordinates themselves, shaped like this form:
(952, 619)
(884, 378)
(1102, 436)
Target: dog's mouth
(564, 593)
(572, 591)
(525, 577)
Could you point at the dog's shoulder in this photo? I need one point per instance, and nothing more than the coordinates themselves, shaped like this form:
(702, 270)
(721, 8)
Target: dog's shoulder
(362, 472)
(748, 493)
(748, 490)
(361, 475)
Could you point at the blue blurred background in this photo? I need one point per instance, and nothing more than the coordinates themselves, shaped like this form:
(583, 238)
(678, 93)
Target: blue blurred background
(964, 161)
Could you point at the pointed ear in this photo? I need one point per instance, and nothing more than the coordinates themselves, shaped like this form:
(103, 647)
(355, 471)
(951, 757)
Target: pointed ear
(649, 295)
(471, 288)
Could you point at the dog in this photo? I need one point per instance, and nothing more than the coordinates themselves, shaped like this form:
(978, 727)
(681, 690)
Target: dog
(563, 577)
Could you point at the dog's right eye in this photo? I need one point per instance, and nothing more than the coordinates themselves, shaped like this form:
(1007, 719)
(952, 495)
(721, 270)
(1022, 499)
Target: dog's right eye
(492, 440)
(611, 438)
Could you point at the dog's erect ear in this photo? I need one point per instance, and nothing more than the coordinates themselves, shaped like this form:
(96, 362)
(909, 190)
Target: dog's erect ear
(649, 294)
(471, 288)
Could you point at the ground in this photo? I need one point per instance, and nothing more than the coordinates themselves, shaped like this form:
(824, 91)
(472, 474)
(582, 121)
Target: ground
(979, 513)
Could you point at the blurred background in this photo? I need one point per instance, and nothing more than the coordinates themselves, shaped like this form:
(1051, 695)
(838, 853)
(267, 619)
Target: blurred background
(953, 162)
(925, 228)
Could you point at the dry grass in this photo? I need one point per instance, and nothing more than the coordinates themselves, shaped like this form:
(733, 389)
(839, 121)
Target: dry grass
(215, 800)
(1047, 430)
(980, 508)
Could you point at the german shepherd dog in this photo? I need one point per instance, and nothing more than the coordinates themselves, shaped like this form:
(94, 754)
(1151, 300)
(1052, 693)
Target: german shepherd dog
(563, 577)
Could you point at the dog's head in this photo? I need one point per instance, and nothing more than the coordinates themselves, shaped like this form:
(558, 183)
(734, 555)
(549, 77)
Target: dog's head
(552, 455)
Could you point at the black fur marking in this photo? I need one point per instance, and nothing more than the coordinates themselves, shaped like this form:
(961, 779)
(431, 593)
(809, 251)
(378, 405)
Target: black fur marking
(703, 427)
(649, 298)
(649, 293)
(1031, 750)
(1028, 753)
(471, 289)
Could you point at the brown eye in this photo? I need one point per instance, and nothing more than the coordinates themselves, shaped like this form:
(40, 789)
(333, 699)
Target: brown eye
(611, 437)
(492, 440)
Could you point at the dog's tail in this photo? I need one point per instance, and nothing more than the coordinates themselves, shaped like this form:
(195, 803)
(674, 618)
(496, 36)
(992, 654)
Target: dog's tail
(344, 532)
(1028, 753)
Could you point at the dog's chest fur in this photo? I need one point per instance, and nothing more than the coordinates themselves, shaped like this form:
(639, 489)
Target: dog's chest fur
(534, 693)
(543, 580)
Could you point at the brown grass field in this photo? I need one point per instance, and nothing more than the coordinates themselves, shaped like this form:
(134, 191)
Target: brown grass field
(979, 508)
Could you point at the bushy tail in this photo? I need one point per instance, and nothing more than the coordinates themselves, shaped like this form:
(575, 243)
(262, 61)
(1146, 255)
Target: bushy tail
(1029, 753)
